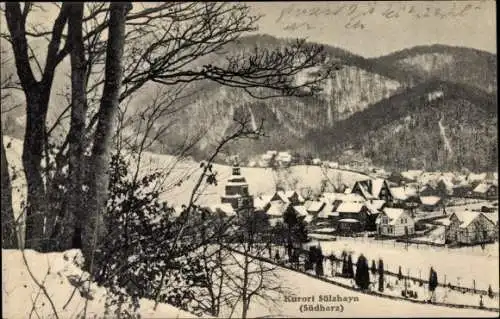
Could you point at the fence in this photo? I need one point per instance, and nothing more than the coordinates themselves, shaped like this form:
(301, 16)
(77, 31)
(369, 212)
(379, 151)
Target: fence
(282, 252)
(375, 293)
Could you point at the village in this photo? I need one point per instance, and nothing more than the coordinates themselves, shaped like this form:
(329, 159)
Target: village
(395, 220)
(421, 207)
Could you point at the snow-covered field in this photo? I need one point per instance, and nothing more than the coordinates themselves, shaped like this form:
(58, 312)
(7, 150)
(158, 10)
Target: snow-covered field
(461, 265)
(366, 305)
(54, 271)
(183, 175)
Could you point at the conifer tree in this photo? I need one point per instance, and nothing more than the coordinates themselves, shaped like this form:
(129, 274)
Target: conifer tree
(380, 275)
(362, 277)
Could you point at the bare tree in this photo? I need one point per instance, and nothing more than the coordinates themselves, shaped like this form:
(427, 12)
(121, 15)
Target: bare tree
(249, 277)
(9, 234)
(9, 231)
(167, 43)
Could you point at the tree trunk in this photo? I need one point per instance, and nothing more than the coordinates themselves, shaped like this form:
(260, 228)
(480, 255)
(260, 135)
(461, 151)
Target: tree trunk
(9, 232)
(93, 230)
(76, 207)
(34, 140)
(37, 95)
(244, 292)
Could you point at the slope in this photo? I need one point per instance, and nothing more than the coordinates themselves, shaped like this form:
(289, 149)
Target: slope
(403, 131)
(447, 63)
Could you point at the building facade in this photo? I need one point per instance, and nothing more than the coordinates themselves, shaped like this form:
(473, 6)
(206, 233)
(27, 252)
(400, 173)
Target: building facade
(236, 192)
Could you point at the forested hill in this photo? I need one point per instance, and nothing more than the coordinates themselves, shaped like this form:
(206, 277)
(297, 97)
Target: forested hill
(369, 104)
(438, 124)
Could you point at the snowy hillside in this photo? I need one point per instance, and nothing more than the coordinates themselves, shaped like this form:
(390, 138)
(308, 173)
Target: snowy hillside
(57, 272)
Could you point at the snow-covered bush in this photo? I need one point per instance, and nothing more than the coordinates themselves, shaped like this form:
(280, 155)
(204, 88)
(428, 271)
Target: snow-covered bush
(149, 252)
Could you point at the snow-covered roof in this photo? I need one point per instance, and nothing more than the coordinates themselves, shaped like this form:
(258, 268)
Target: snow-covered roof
(399, 193)
(394, 214)
(308, 203)
(377, 186)
(232, 196)
(277, 208)
(261, 202)
(412, 174)
(301, 210)
(316, 206)
(266, 157)
(491, 216)
(481, 188)
(430, 200)
(465, 217)
(225, 208)
(286, 195)
(375, 205)
(476, 177)
(308, 218)
(350, 197)
(348, 220)
(236, 184)
(349, 207)
(326, 211)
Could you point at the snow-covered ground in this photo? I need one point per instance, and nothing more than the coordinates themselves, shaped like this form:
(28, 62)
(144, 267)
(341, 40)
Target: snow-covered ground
(184, 173)
(55, 271)
(444, 295)
(366, 305)
(461, 265)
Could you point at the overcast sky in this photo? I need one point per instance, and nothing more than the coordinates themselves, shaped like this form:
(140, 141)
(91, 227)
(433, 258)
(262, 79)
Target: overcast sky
(380, 27)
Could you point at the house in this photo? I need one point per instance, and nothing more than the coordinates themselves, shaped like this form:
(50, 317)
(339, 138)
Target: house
(284, 158)
(469, 228)
(486, 191)
(316, 161)
(463, 190)
(315, 208)
(223, 210)
(347, 211)
(395, 222)
(412, 174)
(262, 202)
(349, 197)
(288, 197)
(471, 178)
(276, 212)
(301, 212)
(429, 189)
(327, 214)
(444, 187)
(373, 189)
(375, 206)
(431, 203)
(333, 165)
(265, 159)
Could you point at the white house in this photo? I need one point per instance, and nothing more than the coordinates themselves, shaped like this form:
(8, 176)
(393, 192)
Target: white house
(316, 161)
(276, 211)
(395, 222)
(466, 227)
(284, 158)
(333, 165)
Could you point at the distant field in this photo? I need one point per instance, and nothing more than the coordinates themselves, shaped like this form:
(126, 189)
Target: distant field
(260, 180)
(183, 175)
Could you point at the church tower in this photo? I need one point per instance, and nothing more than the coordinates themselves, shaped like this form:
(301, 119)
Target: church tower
(236, 191)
